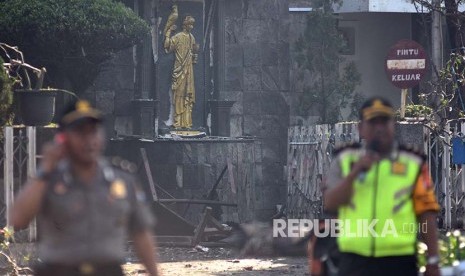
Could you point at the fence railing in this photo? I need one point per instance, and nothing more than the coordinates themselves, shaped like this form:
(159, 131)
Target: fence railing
(310, 149)
(19, 162)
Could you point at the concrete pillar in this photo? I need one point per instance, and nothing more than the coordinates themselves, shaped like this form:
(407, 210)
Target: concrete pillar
(8, 171)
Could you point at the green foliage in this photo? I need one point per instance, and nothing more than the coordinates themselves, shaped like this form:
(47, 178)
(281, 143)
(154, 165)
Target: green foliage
(416, 110)
(443, 99)
(10, 261)
(6, 96)
(73, 36)
(451, 249)
(318, 51)
(450, 85)
(357, 102)
(447, 85)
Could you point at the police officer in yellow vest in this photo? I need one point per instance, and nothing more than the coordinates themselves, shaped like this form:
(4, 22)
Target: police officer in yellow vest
(86, 206)
(384, 198)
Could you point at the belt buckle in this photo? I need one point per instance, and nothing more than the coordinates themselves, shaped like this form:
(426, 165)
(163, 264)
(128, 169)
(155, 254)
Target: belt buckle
(86, 269)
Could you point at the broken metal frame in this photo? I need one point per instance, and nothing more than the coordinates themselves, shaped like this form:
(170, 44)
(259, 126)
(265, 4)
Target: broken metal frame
(317, 143)
(207, 218)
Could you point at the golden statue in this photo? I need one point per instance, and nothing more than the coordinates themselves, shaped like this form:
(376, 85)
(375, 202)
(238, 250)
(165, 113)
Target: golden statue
(185, 53)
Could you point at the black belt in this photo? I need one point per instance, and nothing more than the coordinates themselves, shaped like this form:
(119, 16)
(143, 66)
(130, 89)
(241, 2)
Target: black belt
(82, 269)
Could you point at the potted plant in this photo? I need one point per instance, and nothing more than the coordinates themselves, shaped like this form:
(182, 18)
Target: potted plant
(36, 105)
(416, 112)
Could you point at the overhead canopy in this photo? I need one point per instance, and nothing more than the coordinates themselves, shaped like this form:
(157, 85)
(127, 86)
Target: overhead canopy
(402, 6)
(350, 6)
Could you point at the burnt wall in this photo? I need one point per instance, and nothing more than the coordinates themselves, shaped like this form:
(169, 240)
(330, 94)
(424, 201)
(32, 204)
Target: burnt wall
(188, 169)
(252, 66)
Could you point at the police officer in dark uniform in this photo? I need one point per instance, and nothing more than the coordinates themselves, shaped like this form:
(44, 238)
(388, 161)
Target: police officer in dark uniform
(86, 207)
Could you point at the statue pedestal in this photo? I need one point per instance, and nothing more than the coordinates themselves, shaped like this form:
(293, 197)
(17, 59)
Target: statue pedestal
(221, 117)
(143, 118)
(188, 133)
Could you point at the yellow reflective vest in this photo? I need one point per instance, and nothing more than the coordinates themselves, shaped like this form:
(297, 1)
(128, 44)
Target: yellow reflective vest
(380, 219)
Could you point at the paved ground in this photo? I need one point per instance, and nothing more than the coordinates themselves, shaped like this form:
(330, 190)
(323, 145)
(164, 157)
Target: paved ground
(191, 262)
(220, 261)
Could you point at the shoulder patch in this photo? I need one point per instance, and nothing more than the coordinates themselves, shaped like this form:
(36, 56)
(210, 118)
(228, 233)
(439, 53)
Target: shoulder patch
(413, 149)
(346, 147)
(118, 189)
(123, 164)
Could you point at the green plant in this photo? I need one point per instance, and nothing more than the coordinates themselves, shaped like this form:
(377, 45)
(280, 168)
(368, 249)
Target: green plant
(451, 249)
(6, 95)
(357, 102)
(16, 76)
(17, 70)
(319, 52)
(444, 100)
(72, 38)
(9, 260)
(416, 110)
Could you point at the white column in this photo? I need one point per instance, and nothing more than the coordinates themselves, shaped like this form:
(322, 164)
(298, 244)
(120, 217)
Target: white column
(31, 171)
(446, 179)
(8, 171)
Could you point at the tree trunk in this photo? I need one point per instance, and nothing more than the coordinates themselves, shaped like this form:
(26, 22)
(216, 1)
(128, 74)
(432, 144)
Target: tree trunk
(453, 24)
(456, 33)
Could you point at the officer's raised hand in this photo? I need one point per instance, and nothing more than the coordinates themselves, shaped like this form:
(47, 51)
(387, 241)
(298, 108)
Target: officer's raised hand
(52, 153)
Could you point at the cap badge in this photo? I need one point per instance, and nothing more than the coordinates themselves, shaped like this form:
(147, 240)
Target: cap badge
(378, 104)
(83, 106)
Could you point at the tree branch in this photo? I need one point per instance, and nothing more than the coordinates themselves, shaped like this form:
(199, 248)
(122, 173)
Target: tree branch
(19, 63)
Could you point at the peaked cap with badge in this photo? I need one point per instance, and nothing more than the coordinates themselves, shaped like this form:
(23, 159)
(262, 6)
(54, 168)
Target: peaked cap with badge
(78, 112)
(376, 107)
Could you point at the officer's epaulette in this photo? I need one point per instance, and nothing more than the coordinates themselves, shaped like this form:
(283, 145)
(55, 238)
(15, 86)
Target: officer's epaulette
(413, 149)
(351, 145)
(123, 164)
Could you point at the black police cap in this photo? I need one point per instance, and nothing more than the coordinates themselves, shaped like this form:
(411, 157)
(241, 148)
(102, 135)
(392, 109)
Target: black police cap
(77, 112)
(376, 107)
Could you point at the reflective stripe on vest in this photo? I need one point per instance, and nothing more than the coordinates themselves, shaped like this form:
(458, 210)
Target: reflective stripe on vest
(380, 220)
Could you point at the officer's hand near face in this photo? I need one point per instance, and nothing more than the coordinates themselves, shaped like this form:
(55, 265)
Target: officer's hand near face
(28, 201)
(365, 162)
(52, 153)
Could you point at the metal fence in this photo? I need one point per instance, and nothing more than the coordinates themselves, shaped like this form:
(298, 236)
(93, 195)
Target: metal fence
(19, 161)
(448, 176)
(310, 149)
